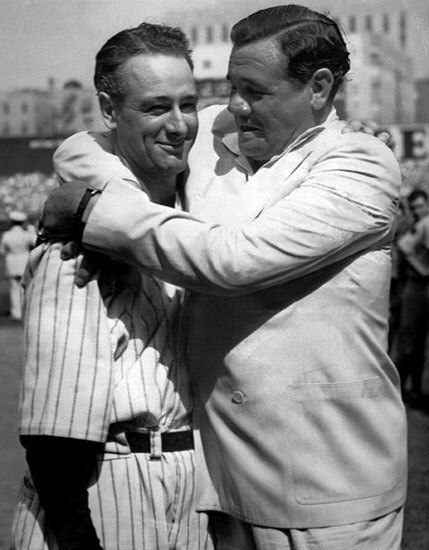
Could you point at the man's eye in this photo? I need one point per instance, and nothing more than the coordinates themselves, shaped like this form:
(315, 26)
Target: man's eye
(190, 107)
(156, 109)
(254, 92)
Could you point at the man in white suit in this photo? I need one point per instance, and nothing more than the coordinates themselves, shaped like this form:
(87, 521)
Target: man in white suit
(303, 427)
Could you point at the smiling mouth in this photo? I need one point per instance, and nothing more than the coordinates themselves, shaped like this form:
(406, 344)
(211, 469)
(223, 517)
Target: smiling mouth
(172, 146)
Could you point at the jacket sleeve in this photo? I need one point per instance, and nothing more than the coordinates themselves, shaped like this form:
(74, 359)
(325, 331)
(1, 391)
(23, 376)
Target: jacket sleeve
(346, 204)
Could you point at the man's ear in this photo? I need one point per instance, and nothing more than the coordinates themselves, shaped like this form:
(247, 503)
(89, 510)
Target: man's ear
(321, 86)
(108, 110)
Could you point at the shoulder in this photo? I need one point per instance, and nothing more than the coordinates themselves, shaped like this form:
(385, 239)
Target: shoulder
(81, 141)
(215, 122)
(216, 119)
(81, 149)
(355, 143)
(357, 167)
(89, 157)
(356, 151)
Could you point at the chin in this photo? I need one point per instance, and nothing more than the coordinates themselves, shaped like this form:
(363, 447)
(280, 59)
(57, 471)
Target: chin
(254, 153)
(172, 168)
(257, 156)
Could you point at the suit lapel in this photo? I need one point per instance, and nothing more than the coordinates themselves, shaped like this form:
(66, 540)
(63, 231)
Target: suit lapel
(272, 183)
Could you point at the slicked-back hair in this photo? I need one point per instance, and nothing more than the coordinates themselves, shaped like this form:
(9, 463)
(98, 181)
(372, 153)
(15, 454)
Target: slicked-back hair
(148, 39)
(309, 41)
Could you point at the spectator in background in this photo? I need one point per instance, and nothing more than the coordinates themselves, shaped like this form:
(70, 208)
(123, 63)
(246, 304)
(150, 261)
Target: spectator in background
(15, 245)
(403, 223)
(413, 248)
(31, 230)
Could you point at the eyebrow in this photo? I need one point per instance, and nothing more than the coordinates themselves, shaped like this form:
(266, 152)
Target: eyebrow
(249, 81)
(168, 98)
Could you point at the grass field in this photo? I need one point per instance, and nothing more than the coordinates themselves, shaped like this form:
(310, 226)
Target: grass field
(12, 464)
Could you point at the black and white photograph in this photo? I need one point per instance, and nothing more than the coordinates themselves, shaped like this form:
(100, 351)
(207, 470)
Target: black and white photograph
(214, 275)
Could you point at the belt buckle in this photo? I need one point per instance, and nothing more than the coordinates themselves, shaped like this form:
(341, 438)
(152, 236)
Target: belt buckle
(155, 445)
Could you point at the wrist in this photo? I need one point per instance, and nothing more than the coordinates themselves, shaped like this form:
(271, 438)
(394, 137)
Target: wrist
(65, 210)
(85, 206)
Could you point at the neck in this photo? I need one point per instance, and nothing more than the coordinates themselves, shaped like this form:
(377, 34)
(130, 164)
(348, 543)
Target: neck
(256, 164)
(321, 116)
(161, 187)
(318, 118)
(162, 190)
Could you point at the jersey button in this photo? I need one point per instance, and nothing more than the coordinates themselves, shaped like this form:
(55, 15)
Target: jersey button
(238, 397)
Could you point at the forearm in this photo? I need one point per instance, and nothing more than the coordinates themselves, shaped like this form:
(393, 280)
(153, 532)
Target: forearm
(290, 240)
(345, 204)
(61, 469)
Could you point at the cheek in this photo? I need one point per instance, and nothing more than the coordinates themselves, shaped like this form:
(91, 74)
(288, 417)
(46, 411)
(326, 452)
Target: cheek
(192, 123)
(277, 129)
(148, 129)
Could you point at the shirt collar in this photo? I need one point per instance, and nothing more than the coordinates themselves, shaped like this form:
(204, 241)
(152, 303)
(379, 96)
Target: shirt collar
(230, 140)
(179, 198)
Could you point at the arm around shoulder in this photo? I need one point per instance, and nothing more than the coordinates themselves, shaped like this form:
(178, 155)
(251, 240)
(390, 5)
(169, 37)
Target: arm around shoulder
(346, 204)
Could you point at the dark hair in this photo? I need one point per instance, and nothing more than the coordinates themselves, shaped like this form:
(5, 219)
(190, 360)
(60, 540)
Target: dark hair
(417, 194)
(308, 39)
(147, 38)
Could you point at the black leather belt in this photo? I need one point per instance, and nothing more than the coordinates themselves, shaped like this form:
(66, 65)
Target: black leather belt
(139, 442)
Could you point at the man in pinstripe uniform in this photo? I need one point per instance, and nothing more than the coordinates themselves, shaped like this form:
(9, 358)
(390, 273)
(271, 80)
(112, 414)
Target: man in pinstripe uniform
(106, 404)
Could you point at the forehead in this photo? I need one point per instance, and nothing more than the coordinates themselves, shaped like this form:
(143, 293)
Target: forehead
(155, 75)
(263, 58)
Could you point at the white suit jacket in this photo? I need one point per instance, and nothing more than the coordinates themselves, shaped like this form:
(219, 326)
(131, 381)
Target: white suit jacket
(298, 403)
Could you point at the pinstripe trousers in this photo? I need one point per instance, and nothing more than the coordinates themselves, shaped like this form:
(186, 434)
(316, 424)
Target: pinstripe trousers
(136, 504)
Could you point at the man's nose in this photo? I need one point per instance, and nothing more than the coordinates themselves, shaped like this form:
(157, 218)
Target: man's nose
(177, 123)
(238, 105)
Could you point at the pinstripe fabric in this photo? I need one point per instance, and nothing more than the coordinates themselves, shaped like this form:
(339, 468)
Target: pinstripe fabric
(67, 386)
(127, 503)
(94, 366)
(101, 361)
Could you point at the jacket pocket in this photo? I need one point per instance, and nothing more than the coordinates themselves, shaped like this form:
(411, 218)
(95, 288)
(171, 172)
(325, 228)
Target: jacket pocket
(348, 441)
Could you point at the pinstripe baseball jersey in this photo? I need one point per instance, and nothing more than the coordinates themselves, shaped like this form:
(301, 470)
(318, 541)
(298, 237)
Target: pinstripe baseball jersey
(100, 361)
(100, 358)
